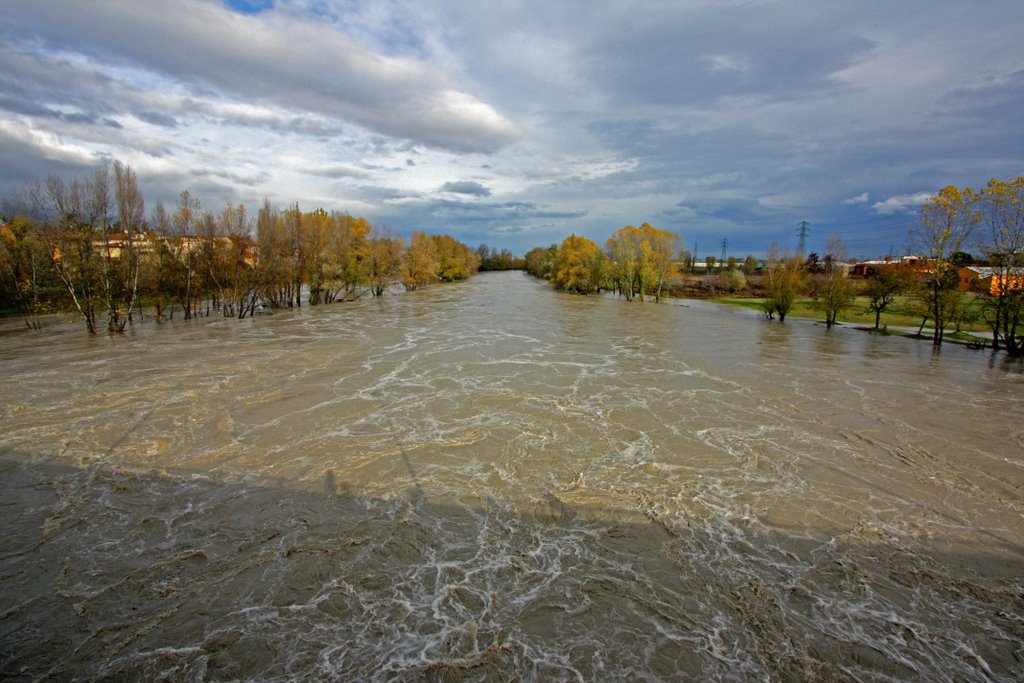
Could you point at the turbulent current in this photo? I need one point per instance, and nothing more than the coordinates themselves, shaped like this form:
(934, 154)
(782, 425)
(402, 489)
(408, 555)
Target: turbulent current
(494, 481)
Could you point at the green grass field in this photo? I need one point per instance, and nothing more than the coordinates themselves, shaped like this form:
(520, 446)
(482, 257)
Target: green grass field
(898, 315)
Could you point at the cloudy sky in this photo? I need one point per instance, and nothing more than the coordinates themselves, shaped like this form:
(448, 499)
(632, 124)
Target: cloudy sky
(517, 122)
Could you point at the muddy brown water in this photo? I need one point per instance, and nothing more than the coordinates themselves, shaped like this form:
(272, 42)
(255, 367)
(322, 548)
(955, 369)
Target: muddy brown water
(495, 481)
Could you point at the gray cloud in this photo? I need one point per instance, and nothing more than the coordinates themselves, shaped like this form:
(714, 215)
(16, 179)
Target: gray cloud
(469, 187)
(273, 59)
(717, 120)
(724, 50)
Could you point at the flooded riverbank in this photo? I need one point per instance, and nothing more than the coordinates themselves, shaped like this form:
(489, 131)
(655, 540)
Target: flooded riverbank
(495, 481)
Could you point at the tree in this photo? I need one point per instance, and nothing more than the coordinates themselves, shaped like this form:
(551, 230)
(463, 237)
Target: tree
(540, 261)
(242, 273)
(22, 270)
(316, 238)
(385, 260)
(665, 251)
(641, 260)
(942, 230)
(623, 267)
(456, 260)
(835, 292)
(186, 273)
(735, 281)
(782, 282)
(492, 259)
(349, 256)
(71, 242)
(884, 284)
(277, 237)
(295, 229)
(579, 266)
(1001, 214)
(131, 209)
(813, 264)
(419, 264)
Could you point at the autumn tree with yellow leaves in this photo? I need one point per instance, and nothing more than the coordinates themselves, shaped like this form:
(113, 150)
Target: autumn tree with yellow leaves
(85, 245)
(941, 231)
(420, 263)
(641, 260)
(579, 266)
(1000, 214)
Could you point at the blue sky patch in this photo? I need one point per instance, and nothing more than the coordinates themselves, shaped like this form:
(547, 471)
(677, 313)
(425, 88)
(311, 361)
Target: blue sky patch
(249, 6)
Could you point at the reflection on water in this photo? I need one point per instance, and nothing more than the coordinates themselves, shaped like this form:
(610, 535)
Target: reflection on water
(495, 481)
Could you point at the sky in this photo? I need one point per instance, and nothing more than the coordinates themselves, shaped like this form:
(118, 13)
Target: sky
(517, 122)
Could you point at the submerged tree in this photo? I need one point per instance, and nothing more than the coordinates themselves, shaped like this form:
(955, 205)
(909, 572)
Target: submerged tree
(456, 261)
(24, 277)
(88, 239)
(640, 260)
(782, 279)
(72, 244)
(579, 266)
(540, 261)
(419, 263)
(385, 262)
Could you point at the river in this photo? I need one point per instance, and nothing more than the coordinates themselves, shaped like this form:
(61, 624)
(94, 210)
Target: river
(495, 481)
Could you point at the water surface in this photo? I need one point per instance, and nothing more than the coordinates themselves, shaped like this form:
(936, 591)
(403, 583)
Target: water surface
(495, 481)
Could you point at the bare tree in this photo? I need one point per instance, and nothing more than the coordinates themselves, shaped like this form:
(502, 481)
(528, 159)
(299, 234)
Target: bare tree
(70, 242)
(131, 210)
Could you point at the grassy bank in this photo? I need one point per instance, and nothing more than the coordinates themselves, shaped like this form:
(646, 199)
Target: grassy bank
(898, 315)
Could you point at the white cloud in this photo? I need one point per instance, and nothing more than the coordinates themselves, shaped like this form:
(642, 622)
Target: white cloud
(272, 59)
(862, 198)
(902, 203)
(46, 144)
(727, 63)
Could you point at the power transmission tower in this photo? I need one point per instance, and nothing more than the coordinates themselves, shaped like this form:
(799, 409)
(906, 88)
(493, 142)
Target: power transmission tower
(802, 245)
(725, 243)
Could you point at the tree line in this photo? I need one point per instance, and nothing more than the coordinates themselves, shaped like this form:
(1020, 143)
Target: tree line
(635, 263)
(988, 221)
(646, 261)
(87, 245)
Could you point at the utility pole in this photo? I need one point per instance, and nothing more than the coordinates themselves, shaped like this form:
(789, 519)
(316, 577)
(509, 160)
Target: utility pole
(802, 245)
(696, 254)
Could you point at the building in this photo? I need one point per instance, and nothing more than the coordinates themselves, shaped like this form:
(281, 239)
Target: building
(991, 280)
(864, 268)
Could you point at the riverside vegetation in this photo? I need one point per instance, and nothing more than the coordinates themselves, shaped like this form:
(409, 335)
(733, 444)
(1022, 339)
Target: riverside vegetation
(648, 262)
(87, 246)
